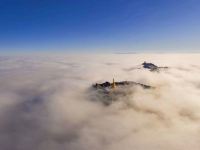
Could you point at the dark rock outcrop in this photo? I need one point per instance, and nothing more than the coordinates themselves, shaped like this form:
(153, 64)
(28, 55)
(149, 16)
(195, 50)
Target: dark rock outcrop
(152, 67)
(122, 83)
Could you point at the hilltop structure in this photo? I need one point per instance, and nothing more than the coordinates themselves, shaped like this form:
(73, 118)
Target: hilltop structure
(109, 92)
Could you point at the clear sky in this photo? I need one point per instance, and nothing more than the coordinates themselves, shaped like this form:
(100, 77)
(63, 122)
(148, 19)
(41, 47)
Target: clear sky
(99, 25)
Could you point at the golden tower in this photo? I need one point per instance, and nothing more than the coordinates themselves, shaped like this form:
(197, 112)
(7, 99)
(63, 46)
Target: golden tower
(113, 84)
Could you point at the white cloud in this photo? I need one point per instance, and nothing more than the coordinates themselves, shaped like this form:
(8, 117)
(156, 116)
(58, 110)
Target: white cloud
(46, 103)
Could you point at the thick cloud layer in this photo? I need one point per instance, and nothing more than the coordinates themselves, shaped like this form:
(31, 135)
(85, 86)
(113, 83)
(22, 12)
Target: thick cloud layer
(45, 103)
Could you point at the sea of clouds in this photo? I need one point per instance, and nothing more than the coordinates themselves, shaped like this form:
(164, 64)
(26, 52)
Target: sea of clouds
(45, 103)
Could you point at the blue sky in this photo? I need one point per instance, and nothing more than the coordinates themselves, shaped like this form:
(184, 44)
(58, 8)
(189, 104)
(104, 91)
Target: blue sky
(99, 25)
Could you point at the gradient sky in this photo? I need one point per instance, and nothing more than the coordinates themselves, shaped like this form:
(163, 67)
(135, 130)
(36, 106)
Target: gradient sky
(99, 25)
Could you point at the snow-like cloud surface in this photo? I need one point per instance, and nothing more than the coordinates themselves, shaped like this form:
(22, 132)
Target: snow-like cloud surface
(45, 103)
